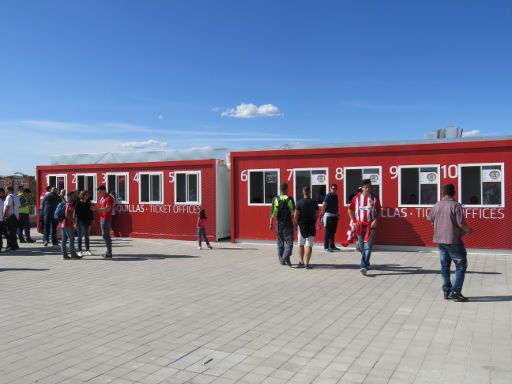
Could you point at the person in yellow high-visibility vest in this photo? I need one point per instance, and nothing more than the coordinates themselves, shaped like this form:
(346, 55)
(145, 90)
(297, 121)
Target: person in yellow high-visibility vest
(24, 220)
(283, 208)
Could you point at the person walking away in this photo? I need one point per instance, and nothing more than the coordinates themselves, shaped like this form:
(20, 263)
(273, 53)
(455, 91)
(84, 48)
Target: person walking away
(11, 217)
(105, 211)
(450, 225)
(24, 223)
(3, 230)
(305, 216)
(50, 203)
(68, 229)
(283, 208)
(201, 229)
(84, 219)
(364, 212)
(330, 216)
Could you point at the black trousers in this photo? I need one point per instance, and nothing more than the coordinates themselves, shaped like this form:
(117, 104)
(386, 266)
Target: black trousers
(3, 233)
(24, 227)
(330, 230)
(12, 229)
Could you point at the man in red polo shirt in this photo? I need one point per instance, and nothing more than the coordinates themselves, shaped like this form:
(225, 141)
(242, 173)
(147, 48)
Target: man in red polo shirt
(105, 211)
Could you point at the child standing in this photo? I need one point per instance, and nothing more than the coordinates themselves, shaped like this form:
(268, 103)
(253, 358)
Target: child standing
(201, 229)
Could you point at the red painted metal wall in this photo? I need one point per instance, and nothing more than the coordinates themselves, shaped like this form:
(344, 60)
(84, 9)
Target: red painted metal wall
(400, 226)
(167, 220)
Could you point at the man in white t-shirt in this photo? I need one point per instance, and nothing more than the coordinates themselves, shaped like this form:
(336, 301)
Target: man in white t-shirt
(11, 213)
(3, 232)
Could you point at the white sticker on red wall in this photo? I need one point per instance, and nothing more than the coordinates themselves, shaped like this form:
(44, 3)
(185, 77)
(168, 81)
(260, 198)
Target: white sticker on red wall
(492, 175)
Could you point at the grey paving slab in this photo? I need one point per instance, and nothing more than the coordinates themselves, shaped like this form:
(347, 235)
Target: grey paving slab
(165, 312)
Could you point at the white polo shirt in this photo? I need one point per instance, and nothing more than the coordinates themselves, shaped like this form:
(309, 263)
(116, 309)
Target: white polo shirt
(13, 202)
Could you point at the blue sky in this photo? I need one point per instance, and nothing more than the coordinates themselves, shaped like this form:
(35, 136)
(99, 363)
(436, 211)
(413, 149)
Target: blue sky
(99, 75)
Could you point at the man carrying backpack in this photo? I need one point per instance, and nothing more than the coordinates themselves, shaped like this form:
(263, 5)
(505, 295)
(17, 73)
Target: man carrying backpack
(49, 204)
(283, 208)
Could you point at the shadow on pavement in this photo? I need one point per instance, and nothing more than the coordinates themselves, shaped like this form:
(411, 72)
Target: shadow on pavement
(235, 249)
(23, 269)
(139, 257)
(414, 271)
(489, 299)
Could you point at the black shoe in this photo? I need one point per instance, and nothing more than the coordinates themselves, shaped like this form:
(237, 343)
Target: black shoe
(22, 241)
(336, 249)
(56, 244)
(447, 295)
(288, 262)
(457, 297)
(307, 266)
(66, 258)
(45, 244)
(74, 256)
(106, 256)
(31, 241)
(300, 265)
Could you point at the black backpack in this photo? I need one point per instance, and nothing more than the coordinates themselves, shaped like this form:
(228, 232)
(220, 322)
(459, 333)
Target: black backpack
(283, 212)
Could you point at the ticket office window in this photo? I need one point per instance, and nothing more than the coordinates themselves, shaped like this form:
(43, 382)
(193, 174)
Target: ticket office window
(419, 185)
(263, 186)
(187, 188)
(118, 182)
(58, 181)
(151, 188)
(481, 185)
(87, 182)
(354, 178)
(315, 179)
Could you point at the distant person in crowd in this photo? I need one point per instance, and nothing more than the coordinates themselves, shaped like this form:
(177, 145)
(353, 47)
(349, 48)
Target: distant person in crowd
(62, 195)
(68, 230)
(105, 211)
(24, 222)
(364, 212)
(330, 216)
(3, 230)
(84, 218)
(115, 216)
(283, 208)
(11, 213)
(49, 204)
(449, 222)
(201, 229)
(305, 216)
(47, 190)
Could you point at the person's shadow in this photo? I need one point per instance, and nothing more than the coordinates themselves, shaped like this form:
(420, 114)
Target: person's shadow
(395, 270)
(488, 299)
(23, 269)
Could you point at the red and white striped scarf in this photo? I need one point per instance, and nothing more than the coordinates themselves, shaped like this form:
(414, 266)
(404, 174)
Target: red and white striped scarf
(365, 213)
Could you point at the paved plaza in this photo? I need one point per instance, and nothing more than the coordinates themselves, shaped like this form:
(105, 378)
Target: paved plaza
(163, 311)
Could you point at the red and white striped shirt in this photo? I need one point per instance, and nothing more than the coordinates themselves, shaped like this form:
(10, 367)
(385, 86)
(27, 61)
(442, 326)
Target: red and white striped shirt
(365, 208)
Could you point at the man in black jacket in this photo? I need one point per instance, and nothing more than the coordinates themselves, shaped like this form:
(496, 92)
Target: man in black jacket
(49, 204)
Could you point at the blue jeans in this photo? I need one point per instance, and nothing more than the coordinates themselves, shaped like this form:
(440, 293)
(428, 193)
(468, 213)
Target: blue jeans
(284, 241)
(50, 229)
(366, 246)
(456, 253)
(84, 229)
(68, 233)
(201, 234)
(105, 232)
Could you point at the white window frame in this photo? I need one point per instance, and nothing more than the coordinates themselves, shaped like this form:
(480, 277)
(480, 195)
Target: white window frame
(161, 174)
(56, 175)
(92, 193)
(362, 168)
(127, 176)
(327, 186)
(437, 166)
(199, 187)
(459, 184)
(249, 185)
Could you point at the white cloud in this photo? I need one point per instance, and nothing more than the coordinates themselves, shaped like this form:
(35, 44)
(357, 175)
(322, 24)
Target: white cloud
(473, 133)
(250, 111)
(215, 109)
(147, 144)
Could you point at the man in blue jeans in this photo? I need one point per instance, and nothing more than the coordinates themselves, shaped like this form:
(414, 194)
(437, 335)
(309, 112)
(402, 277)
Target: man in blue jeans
(447, 216)
(105, 211)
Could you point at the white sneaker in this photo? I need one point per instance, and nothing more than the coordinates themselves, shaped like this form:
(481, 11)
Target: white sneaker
(80, 253)
(199, 247)
(363, 271)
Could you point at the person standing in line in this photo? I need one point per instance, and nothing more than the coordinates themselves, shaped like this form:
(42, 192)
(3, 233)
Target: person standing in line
(305, 216)
(283, 208)
(24, 223)
(11, 215)
(105, 211)
(62, 195)
(84, 218)
(68, 229)
(364, 212)
(49, 204)
(115, 216)
(41, 211)
(330, 217)
(3, 231)
(201, 229)
(449, 222)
